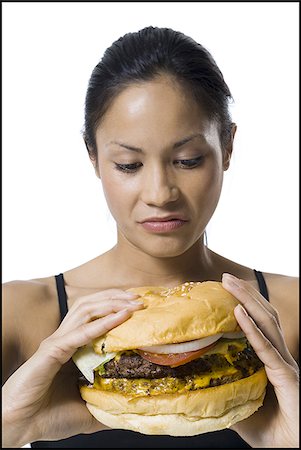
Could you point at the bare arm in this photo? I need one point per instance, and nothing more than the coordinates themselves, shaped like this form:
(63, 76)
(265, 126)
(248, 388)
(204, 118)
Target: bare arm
(276, 424)
(11, 348)
(38, 396)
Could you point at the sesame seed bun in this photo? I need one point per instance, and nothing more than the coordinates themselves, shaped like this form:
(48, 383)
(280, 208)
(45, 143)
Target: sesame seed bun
(188, 312)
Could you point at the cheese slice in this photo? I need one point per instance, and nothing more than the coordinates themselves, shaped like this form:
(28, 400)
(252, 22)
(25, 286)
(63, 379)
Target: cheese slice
(222, 346)
(87, 360)
(203, 381)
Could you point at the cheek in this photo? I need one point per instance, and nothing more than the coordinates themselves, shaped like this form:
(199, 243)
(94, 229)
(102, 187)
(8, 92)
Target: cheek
(119, 194)
(111, 190)
(214, 181)
(205, 186)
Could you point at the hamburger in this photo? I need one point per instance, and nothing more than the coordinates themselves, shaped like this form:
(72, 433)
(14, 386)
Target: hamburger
(181, 366)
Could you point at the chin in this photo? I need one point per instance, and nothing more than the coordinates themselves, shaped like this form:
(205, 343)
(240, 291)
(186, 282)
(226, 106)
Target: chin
(160, 246)
(180, 367)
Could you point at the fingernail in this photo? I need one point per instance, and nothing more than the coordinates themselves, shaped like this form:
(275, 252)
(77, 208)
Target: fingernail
(137, 302)
(227, 276)
(122, 312)
(131, 295)
(231, 279)
(242, 309)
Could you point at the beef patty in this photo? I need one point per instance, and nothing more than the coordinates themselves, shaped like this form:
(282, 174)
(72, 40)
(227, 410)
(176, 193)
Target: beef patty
(132, 365)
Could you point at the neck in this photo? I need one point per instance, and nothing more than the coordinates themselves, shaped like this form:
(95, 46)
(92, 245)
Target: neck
(145, 269)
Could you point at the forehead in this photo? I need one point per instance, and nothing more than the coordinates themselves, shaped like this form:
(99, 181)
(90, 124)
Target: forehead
(154, 110)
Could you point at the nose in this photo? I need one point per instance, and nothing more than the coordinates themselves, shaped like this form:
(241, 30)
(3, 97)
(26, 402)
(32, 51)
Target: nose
(159, 187)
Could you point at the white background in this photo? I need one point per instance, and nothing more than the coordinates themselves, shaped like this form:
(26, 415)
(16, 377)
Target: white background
(54, 213)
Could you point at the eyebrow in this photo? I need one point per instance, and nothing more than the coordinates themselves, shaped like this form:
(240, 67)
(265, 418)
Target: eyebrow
(175, 145)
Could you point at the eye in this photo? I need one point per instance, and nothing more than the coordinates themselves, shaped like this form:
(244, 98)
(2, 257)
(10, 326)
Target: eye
(128, 168)
(189, 163)
(182, 163)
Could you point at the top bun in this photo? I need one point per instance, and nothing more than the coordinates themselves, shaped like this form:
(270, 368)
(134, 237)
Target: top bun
(192, 310)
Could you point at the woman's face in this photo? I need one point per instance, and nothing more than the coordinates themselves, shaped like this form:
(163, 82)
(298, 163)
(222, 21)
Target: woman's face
(159, 157)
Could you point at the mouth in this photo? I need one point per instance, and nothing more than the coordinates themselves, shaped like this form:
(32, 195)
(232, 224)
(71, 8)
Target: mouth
(163, 225)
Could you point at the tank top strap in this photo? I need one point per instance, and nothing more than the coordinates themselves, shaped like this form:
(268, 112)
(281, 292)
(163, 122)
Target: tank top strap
(262, 284)
(62, 296)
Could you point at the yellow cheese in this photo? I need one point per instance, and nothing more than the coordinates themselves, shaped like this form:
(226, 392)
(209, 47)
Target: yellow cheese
(222, 347)
(202, 381)
(166, 385)
(169, 385)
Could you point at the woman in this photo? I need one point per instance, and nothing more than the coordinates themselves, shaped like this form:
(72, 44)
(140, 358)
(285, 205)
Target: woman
(159, 135)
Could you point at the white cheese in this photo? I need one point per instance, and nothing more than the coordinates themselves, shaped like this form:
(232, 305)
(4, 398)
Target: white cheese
(87, 360)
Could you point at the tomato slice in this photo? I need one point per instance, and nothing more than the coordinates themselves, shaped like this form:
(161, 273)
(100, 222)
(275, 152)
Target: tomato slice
(174, 359)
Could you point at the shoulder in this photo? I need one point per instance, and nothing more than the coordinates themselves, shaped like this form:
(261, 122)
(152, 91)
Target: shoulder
(13, 290)
(283, 293)
(30, 313)
(284, 297)
(24, 296)
(283, 289)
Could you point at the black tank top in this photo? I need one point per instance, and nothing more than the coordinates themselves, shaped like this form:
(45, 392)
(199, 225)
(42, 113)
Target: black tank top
(130, 439)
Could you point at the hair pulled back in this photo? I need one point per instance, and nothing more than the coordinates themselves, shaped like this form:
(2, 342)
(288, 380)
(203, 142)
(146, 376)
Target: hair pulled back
(143, 55)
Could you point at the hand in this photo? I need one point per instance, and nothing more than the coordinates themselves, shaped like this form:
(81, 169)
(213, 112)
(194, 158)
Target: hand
(276, 423)
(41, 400)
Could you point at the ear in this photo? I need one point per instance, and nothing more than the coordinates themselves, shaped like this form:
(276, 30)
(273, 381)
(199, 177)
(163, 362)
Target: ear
(93, 158)
(227, 152)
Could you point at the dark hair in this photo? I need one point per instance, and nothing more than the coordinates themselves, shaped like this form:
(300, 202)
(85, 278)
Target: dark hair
(141, 56)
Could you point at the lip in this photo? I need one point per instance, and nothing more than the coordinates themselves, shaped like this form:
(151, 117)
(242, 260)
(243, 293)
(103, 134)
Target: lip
(164, 219)
(163, 224)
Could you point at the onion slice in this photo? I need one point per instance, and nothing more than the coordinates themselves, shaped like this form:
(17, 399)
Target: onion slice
(183, 347)
(234, 335)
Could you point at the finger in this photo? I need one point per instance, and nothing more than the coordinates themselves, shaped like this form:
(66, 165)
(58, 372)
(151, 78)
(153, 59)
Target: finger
(277, 368)
(106, 295)
(258, 310)
(230, 280)
(91, 310)
(57, 349)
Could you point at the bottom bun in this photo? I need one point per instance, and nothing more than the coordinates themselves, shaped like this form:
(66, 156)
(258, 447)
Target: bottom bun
(175, 424)
(186, 414)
